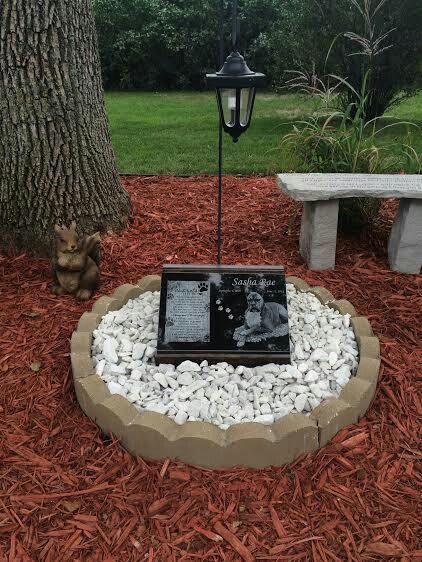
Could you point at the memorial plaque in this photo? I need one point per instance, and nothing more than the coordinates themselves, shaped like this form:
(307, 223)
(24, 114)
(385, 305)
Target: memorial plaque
(230, 313)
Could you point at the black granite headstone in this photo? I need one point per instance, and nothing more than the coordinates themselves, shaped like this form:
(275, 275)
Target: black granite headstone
(230, 313)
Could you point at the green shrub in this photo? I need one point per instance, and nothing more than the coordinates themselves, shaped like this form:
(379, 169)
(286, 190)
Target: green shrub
(360, 35)
(347, 140)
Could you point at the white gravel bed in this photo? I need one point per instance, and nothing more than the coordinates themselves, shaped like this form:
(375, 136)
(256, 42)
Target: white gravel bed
(324, 355)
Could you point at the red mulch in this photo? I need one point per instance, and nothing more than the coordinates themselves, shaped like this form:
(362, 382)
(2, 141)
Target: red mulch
(69, 493)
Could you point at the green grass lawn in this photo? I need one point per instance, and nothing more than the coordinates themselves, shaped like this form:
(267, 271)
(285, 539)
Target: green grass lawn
(177, 133)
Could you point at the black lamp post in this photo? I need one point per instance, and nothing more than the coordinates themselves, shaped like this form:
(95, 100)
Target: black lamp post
(235, 86)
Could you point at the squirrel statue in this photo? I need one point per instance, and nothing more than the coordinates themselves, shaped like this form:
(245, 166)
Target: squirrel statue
(76, 262)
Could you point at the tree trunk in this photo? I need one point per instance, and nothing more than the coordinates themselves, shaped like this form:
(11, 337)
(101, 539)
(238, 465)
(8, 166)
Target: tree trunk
(56, 159)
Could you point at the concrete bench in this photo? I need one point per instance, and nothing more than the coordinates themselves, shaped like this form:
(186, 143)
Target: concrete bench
(321, 193)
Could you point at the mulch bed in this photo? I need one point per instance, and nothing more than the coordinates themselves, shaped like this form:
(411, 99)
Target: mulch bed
(67, 492)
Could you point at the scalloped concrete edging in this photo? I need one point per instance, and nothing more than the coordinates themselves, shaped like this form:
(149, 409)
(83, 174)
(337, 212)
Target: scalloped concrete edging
(155, 436)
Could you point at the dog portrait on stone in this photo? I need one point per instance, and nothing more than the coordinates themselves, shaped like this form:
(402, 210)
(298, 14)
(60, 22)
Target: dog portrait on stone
(262, 320)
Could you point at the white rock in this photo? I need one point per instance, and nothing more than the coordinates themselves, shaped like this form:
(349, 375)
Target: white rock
(159, 408)
(99, 369)
(266, 419)
(150, 351)
(269, 368)
(117, 370)
(138, 350)
(109, 350)
(189, 390)
(188, 366)
(161, 379)
(319, 355)
(181, 417)
(311, 376)
(265, 409)
(194, 408)
(300, 402)
(116, 388)
(342, 375)
(332, 358)
(185, 378)
(167, 368)
(298, 351)
(136, 374)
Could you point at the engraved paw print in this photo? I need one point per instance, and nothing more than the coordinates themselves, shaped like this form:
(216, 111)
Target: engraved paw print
(202, 287)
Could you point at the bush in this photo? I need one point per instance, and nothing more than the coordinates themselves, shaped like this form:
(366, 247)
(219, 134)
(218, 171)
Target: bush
(344, 141)
(384, 36)
(347, 140)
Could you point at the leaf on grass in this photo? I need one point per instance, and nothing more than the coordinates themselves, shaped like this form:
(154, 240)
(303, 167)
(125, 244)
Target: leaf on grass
(31, 314)
(36, 366)
(71, 506)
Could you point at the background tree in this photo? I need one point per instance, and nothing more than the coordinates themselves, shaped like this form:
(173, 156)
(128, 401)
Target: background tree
(165, 44)
(56, 159)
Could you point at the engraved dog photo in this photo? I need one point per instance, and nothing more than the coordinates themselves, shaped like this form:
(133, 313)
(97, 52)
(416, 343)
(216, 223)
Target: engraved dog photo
(251, 312)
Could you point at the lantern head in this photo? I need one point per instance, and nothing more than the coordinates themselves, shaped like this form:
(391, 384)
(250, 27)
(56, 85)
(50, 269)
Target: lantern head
(235, 86)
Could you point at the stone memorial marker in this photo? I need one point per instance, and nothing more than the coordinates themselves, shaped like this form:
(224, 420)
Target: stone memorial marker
(230, 313)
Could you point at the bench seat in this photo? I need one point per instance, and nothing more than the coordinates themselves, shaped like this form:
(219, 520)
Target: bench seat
(321, 193)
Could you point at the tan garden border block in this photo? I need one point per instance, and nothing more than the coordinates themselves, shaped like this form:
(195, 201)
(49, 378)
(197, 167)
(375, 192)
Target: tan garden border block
(200, 443)
(105, 304)
(114, 414)
(298, 433)
(344, 307)
(368, 346)
(88, 322)
(150, 283)
(322, 294)
(252, 444)
(298, 283)
(127, 292)
(151, 435)
(368, 370)
(332, 415)
(155, 436)
(361, 326)
(358, 393)
(82, 365)
(91, 391)
(81, 342)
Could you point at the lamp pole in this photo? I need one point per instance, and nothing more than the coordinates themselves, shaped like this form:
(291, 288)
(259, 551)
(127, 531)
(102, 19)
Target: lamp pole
(235, 85)
(220, 142)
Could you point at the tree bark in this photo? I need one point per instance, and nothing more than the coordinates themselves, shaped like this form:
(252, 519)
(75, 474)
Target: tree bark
(56, 158)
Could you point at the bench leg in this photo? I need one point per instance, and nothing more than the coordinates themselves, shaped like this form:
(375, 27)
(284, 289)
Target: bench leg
(405, 244)
(318, 233)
